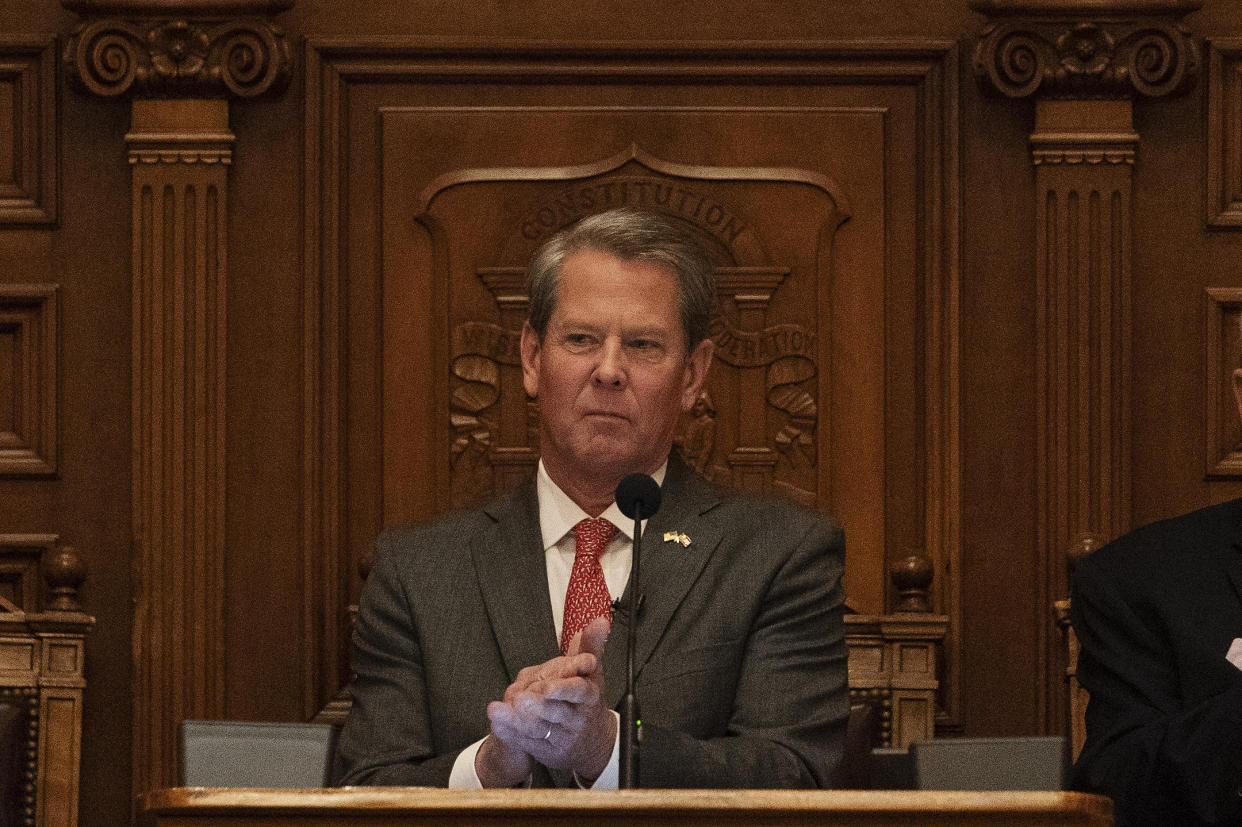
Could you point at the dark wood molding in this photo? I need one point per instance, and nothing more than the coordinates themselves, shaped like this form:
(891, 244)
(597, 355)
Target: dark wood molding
(28, 79)
(1224, 132)
(29, 318)
(1222, 312)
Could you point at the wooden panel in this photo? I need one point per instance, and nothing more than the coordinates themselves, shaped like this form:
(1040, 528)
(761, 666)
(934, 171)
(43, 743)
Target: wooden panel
(60, 756)
(28, 379)
(414, 277)
(1224, 132)
(20, 554)
(1222, 315)
(17, 659)
(892, 665)
(772, 232)
(27, 131)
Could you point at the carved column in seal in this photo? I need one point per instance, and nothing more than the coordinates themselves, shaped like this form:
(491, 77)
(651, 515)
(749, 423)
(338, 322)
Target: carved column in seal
(179, 62)
(1083, 65)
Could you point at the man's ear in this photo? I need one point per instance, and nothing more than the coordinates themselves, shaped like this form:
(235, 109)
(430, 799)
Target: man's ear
(530, 360)
(696, 372)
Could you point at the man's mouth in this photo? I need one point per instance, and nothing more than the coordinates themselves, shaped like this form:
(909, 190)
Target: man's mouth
(603, 415)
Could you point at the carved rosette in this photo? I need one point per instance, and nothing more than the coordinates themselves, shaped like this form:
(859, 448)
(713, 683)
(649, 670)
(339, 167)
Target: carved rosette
(1085, 59)
(241, 58)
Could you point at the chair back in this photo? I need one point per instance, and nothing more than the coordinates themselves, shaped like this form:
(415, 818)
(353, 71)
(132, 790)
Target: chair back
(891, 769)
(854, 772)
(1035, 763)
(251, 754)
(14, 727)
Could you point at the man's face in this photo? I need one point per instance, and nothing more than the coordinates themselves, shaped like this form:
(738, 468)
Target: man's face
(612, 374)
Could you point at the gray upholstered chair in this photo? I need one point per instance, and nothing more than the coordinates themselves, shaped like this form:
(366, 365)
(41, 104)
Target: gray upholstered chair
(1035, 763)
(251, 754)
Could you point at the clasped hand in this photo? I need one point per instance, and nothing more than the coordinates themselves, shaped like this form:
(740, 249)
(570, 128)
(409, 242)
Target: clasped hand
(552, 714)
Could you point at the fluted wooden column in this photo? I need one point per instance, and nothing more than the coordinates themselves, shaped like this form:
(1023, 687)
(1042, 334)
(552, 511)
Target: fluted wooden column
(178, 63)
(1083, 65)
(1084, 156)
(179, 151)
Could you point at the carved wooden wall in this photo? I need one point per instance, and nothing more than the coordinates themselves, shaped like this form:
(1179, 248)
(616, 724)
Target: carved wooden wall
(834, 383)
(975, 305)
(1084, 67)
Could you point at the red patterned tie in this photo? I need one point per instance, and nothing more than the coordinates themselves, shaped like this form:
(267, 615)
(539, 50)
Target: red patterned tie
(587, 596)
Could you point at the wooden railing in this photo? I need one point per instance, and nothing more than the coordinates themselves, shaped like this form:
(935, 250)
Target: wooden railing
(42, 650)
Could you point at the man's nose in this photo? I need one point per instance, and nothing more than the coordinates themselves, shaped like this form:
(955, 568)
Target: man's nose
(611, 370)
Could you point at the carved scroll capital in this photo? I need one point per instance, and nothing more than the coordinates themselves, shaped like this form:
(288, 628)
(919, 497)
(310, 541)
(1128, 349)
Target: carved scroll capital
(1048, 51)
(178, 57)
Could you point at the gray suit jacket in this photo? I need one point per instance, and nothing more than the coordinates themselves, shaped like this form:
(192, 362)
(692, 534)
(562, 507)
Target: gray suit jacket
(740, 663)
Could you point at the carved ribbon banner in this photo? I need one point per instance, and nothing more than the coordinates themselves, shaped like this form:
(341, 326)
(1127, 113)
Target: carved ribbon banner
(784, 377)
(478, 352)
(499, 344)
(677, 198)
(479, 349)
(787, 350)
(746, 349)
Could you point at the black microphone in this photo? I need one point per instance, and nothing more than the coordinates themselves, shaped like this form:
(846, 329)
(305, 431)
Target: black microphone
(638, 497)
(623, 609)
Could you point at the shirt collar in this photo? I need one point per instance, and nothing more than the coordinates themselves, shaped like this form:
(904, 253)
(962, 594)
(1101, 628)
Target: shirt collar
(558, 514)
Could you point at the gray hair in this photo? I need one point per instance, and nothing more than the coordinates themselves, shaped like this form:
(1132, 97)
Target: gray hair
(630, 235)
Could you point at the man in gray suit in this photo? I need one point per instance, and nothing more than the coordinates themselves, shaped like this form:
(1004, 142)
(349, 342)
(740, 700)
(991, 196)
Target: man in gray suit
(741, 661)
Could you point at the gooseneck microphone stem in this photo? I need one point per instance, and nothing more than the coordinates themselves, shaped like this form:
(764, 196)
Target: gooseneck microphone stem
(638, 496)
(631, 719)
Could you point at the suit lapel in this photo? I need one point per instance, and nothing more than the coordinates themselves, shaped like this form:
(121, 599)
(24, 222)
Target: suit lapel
(513, 579)
(667, 571)
(1233, 563)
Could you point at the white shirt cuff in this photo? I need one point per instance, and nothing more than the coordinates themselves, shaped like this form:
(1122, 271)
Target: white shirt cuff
(463, 776)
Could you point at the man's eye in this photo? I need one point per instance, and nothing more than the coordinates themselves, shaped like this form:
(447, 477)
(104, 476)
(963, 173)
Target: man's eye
(645, 344)
(578, 338)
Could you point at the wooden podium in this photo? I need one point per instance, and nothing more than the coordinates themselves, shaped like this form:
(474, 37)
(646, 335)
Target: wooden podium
(202, 807)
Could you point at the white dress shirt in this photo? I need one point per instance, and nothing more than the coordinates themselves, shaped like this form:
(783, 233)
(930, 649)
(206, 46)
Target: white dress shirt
(558, 515)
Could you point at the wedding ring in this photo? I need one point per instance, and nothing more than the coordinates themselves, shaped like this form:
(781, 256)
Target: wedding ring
(549, 735)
